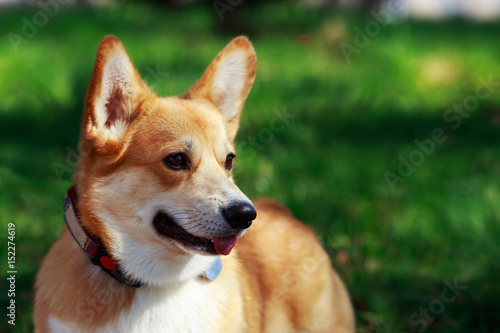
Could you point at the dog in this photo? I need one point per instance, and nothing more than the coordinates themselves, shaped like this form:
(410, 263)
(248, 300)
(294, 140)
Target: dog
(159, 238)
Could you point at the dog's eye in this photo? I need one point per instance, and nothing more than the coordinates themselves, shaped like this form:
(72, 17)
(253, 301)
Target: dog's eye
(176, 161)
(229, 161)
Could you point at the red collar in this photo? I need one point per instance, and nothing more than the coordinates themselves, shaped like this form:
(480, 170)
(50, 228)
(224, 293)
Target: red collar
(96, 251)
(90, 244)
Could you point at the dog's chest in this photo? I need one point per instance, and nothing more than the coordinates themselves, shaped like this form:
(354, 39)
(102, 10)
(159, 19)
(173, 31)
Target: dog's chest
(190, 307)
(186, 308)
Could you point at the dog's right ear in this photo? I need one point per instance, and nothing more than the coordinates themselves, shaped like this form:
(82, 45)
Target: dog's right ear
(113, 97)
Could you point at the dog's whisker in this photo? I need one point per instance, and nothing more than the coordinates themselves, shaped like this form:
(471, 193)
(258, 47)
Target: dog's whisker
(194, 228)
(191, 225)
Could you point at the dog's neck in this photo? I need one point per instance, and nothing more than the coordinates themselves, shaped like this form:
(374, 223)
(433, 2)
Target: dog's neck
(93, 247)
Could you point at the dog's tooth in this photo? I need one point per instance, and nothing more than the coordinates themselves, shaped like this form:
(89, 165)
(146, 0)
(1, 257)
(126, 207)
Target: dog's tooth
(212, 240)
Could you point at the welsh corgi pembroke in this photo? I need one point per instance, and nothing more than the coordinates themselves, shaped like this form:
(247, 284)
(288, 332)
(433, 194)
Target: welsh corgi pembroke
(158, 237)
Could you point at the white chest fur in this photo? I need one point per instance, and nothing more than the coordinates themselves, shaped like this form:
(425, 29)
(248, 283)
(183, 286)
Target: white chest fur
(188, 307)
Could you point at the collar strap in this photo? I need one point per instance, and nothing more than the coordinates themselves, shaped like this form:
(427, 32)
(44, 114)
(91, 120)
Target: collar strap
(90, 244)
(98, 254)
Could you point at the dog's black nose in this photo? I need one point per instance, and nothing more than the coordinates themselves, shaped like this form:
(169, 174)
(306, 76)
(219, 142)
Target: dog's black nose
(239, 215)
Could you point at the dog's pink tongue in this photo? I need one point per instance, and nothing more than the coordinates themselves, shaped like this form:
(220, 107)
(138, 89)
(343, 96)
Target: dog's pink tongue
(224, 245)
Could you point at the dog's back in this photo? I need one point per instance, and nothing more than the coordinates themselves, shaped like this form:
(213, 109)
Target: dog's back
(291, 275)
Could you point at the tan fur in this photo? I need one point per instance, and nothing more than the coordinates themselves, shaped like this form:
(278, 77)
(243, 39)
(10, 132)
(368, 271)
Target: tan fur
(278, 278)
(71, 288)
(294, 274)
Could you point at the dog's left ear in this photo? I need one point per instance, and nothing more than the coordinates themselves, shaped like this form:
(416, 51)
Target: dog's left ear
(227, 81)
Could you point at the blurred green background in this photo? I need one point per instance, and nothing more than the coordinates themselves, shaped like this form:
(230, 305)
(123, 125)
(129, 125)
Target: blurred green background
(348, 125)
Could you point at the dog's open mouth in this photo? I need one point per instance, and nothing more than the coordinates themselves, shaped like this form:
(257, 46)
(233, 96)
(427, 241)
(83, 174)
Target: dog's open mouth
(165, 225)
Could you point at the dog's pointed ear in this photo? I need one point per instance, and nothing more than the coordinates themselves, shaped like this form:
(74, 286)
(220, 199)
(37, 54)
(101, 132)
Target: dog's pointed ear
(227, 81)
(113, 96)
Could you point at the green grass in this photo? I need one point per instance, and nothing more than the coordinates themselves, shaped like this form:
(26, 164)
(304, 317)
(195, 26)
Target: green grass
(351, 121)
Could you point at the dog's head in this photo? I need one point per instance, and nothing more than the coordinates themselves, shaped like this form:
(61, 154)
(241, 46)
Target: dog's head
(154, 179)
